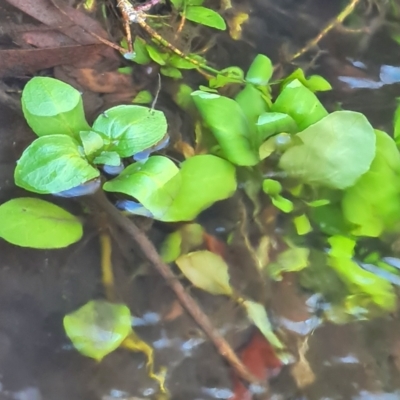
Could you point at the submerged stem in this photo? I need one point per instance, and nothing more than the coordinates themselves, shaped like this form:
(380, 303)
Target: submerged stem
(186, 300)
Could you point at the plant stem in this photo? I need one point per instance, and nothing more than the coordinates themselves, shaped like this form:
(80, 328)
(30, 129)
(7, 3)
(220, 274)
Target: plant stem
(332, 24)
(186, 300)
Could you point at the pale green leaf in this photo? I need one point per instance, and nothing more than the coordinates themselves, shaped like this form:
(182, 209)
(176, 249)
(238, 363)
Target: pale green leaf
(36, 223)
(205, 16)
(206, 270)
(98, 328)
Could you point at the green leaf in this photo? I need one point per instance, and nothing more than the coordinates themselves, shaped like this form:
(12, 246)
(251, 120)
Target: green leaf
(183, 98)
(282, 203)
(91, 141)
(260, 70)
(53, 164)
(271, 187)
(176, 195)
(205, 16)
(178, 4)
(98, 328)
(229, 125)
(359, 281)
(171, 72)
(300, 103)
(293, 259)
(315, 83)
(205, 179)
(36, 223)
(129, 129)
(271, 123)
(302, 224)
(141, 55)
(108, 158)
(253, 104)
(151, 183)
(227, 76)
(182, 241)
(143, 97)
(181, 63)
(373, 203)
(206, 270)
(396, 124)
(53, 107)
(258, 315)
(156, 55)
(334, 152)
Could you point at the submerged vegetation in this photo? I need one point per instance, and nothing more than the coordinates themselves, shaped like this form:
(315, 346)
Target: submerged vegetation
(333, 178)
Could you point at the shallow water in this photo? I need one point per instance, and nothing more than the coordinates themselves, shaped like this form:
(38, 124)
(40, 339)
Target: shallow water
(358, 360)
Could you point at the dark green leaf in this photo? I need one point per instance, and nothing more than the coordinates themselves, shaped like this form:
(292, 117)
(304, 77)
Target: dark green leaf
(300, 103)
(181, 63)
(98, 328)
(334, 152)
(205, 16)
(53, 107)
(229, 125)
(53, 164)
(260, 70)
(129, 129)
(156, 55)
(141, 55)
(36, 223)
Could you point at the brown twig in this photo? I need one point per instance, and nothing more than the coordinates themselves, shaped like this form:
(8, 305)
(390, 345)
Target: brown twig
(186, 300)
(331, 25)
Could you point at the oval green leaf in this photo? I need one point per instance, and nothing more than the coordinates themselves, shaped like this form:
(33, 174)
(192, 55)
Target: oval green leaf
(205, 16)
(260, 70)
(229, 125)
(53, 164)
(129, 129)
(151, 183)
(334, 152)
(206, 270)
(271, 123)
(53, 107)
(35, 223)
(98, 328)
(300, 103)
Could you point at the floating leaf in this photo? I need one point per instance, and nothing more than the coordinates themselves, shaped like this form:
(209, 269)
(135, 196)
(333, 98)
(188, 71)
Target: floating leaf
(36, 223)
(260, 70)
(53, 107)
(52, 164)
(98, 328)
(300, 103)
(206, 270)
(258, 315)
(334, 152)
(229, 125)
(302, 224)
(373, 203)
(205, 16)
(129, 129)
(143, 97)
